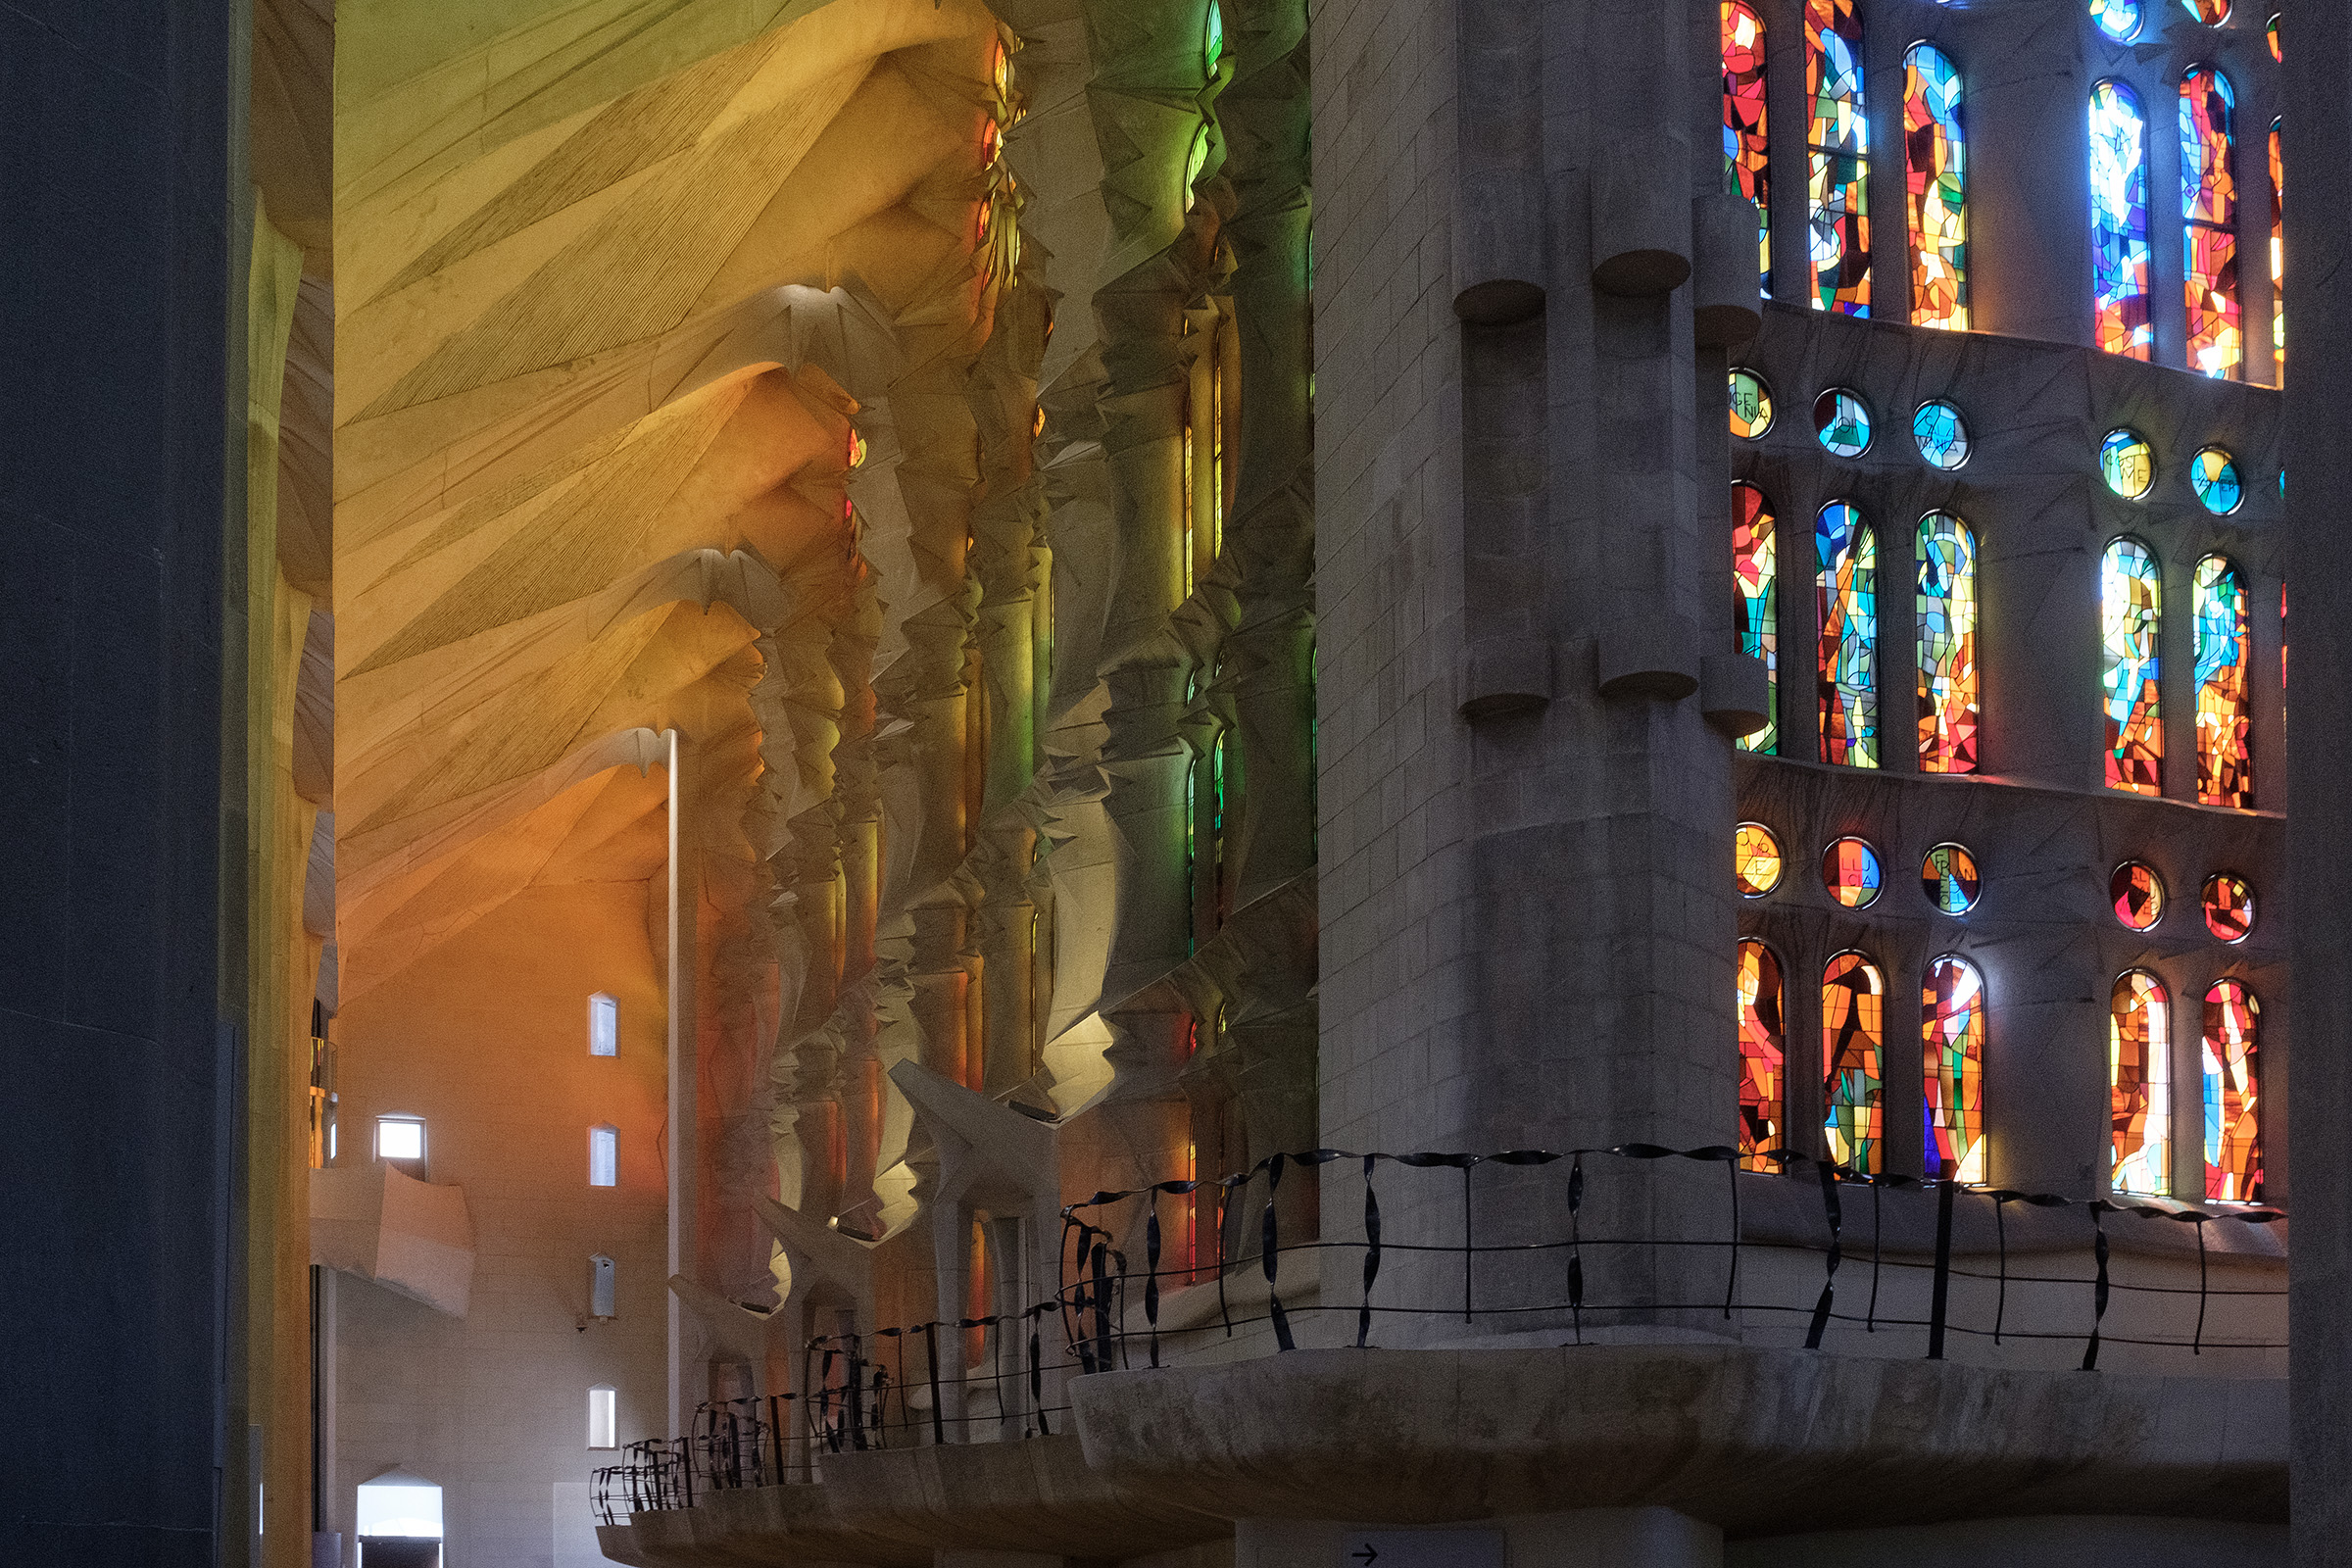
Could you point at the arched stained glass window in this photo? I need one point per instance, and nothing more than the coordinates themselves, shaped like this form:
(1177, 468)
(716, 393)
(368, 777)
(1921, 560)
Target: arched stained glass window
(1838, 140)
(1747, 156)
(2232, 1095)
(2139, 1083)
(2209, 233)
(1951, 1026)
(2131, 607)
(2277, 242)
(1846, 596)
(1853, 1002)
(1762, 1055)
(1935, 178)
(1756, 554)
(2119, 221)
(1946, 604)
(2225, 723)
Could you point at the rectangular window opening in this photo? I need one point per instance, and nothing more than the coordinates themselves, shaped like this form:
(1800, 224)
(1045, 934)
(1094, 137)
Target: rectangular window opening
(400, 1138)
(604, 1157)
(604, 1026)
(604, 1417)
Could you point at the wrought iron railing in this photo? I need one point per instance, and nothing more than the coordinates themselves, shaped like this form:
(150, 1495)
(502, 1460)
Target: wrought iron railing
(860, 1391)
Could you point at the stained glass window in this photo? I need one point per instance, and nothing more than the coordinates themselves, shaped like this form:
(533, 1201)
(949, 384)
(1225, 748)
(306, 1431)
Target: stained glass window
(2229, 903)
(2212, 13)
(2119, 221)
(2117, 18)
(2127, 464)
(1850, 871)
(2232, 1095)
(1951, 1028)
(2139, 1083)
(1853, 1001)
(2224, 720)
(1941, 434)
(2137, 894)
(1838, 139)
(1746, 156)
(1195, 161)
(1947, 607)
(2213, 476)
(1751, 405)
(1935, 179)
(1847, 604)
(1948, 877)
(1841, 420)
(2270, 32)
(1213, 39)
(2278, 240)
(1758, 856)
(1762, 1054)
(1756, 577)
(2209, 235)
(2130, 606)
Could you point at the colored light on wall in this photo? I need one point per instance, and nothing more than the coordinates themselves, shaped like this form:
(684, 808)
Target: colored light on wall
(2131, 600)
(2139, 1082)
(1945, 605)
(1853, 999)
(1951, 1024)
(2225, 715)
(1755, 577)
(1846, 595)
(2119, 221)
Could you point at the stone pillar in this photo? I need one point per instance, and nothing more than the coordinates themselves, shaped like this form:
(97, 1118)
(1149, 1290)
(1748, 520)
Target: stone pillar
(2318, 383)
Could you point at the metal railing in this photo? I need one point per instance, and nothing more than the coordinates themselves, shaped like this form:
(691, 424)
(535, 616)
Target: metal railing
(857, 1392)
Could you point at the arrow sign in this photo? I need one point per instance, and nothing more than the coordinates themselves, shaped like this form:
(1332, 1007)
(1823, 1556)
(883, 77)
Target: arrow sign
(1367, 1554)
(1421, 1549)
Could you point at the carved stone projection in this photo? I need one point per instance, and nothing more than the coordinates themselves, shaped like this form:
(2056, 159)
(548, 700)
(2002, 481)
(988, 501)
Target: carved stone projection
(903, 408)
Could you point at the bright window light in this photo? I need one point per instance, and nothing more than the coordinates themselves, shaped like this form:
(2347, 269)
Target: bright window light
(396, 1503)
(399, 1137)
(603, 1418)
(604, 1026)
(604, 1157)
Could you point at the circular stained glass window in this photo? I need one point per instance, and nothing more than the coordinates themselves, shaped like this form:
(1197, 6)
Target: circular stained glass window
(1849, 869)
(1948, 877)
(2117, 18)
(1759, 856)
(2212, 13)
(2229, 907)
(1751, 405)
(2126, 464)
(2213, 476)
(1941, 434)
(1842, 422)
(2137, 893)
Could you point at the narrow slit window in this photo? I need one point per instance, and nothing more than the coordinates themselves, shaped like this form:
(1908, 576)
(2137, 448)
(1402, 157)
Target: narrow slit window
(1947, 607)
(1837, 141)
(2139, 1085)
(2130, 609)
(603, 1287)
(2278, 243)
(1763, 1054)
(1755, 575)
(604, 1155)
(2119, 221)
(2209, 228)
(1853, 1003)
(604, 1417)
(2232, 1095)
(400, 1138)
(1847, 665)
(2224, 723)
(604, 1026)
(1951, 1015)
(1746, 154)
(1936, 181)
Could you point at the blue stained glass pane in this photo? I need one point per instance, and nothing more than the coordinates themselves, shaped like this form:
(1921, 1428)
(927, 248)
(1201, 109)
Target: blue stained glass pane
(2119, 221)
(1941, 434)
(2213, 476)
(2117, 18)
(1846, 601)
(1842, 422)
